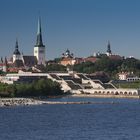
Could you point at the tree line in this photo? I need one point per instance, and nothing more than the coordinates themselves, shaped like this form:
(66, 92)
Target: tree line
(42, 87)
(105, 64)
(110, 66)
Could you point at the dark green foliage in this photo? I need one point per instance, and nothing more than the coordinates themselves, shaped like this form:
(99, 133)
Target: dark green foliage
(110, 66)
(131, 64)
(54, 67)
(7, 90)
(135, 85)
(41, 87)
(2, 72)
(87, 67)
(57, 60)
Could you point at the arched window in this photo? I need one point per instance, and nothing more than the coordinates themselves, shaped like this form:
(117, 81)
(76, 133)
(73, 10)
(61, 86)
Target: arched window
(125, 93)
(108, 92)
(121, 92)
(95, 92)
(135, 93)
(112, 92)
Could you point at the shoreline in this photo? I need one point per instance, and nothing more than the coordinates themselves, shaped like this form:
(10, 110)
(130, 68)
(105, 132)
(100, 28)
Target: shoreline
(8, 102)
(106, 96)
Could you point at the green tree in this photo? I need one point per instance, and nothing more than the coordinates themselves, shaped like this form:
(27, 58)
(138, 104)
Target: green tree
(54, 67)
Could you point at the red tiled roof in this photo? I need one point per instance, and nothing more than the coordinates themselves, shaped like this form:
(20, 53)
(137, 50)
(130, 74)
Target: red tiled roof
(91, 59)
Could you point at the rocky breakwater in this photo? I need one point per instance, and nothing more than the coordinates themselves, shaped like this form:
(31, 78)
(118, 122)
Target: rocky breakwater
(18, 101)
(4, 102)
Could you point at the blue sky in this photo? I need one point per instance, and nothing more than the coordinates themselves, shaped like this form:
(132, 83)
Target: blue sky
(83, 26)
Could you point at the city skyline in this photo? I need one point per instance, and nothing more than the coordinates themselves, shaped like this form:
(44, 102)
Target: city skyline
(82, 26)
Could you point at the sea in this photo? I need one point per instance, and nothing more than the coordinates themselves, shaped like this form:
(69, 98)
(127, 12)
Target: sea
(105, 119)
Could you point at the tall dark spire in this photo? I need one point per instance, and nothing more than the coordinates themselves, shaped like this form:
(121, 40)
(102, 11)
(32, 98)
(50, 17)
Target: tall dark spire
(1, 60)
(39, 41)
(109, 48)
(6, 62)
(16, 52)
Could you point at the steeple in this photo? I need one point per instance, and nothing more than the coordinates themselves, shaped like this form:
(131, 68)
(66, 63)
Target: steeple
(39, 41)
(1, 60)
(39, 48)
(109, 48)
(5, 61)
(16, 52)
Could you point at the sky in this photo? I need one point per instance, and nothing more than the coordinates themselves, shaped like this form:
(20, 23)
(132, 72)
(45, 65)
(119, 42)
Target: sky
(82, 26)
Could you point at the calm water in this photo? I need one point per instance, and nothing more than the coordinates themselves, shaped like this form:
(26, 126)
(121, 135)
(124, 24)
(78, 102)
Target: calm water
(119, 121)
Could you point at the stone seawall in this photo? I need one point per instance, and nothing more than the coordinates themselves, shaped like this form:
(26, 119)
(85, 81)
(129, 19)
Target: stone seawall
(5, 102)
(106, 96)
(29, 101)
(18, 101)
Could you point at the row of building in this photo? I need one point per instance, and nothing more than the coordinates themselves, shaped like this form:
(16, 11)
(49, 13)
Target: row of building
(19, 61)
(76, 83)
(69, 59)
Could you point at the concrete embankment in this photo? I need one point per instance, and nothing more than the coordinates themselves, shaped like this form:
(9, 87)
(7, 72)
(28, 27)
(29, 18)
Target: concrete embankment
(106, 96)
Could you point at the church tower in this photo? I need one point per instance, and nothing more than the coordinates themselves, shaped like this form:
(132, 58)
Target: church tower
(16, 54)
(39, 48)
(108, 52)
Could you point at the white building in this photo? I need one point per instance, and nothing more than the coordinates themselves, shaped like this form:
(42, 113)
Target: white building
(128, 77)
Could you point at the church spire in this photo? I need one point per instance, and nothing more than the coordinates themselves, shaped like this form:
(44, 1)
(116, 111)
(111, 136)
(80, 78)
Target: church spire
(16, 52)
(16, 44)
(39, 26)
(39, 48)
(109, 48)
(39, 41)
